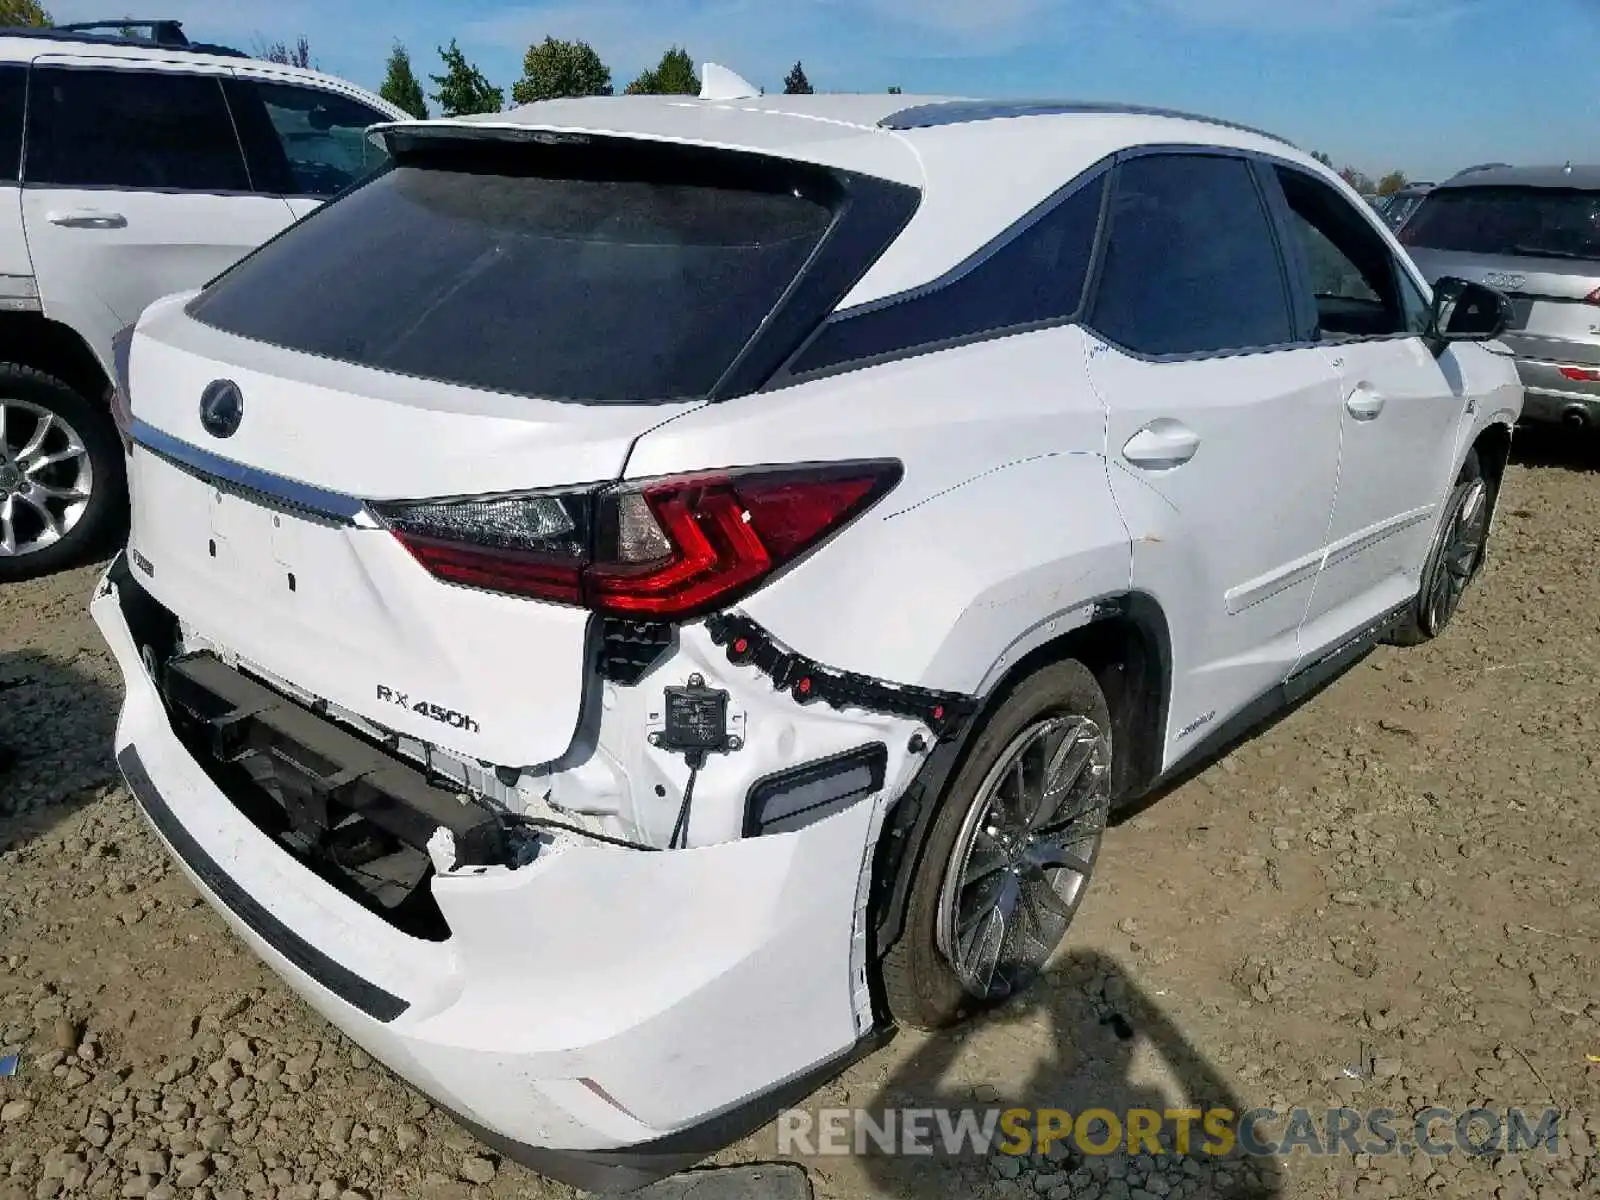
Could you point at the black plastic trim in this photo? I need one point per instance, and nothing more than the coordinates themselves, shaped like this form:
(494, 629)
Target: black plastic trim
(808, 681)
(377, 1003)
(630, 1168)
(874, 758)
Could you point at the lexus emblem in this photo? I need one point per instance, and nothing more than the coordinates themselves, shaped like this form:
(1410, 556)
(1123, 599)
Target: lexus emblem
(221, 408)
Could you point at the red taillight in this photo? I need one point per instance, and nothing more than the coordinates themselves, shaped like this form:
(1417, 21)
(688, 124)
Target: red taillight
(1593, 297)
(1582, 374)
(666, 549)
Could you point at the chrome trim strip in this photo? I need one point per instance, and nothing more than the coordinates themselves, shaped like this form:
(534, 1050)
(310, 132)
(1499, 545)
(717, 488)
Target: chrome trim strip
(274, 490)
(1365, 539)
(1264, 587)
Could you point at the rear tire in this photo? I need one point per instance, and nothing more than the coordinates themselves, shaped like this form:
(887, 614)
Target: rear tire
(1453, 562)
(63, 482)
(986, 854)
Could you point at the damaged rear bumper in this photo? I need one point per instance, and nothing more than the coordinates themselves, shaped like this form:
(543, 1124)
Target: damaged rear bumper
(605, 1016)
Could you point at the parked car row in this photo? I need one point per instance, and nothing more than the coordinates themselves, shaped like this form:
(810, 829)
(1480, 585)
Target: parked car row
(631, 601)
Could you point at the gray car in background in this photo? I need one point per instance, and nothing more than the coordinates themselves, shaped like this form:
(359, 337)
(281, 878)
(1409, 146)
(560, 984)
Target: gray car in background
(1534, 234)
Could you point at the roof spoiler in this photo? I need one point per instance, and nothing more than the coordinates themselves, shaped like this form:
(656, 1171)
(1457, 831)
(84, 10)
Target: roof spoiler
(719, 83)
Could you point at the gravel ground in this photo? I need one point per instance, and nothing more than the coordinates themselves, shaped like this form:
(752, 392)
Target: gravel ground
(1389, 899)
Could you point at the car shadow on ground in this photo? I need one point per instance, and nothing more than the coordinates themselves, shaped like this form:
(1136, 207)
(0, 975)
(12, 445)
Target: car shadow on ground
(1097, 1055)
(56, 728)
(1551, 446)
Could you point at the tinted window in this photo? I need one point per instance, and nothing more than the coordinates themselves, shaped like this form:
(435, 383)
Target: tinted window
(1191, 265)
(132, 129)
(1346, 263)
(319, 138)
(1528, 222)
(13, 99)
(1037, 276)
(583, 276)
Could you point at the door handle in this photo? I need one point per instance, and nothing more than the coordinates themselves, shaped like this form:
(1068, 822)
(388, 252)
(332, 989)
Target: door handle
(1364, 404)
(1162, 445)
(87, 218)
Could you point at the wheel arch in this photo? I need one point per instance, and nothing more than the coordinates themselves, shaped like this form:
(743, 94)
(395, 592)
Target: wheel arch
(1128, 647)
(34, 340)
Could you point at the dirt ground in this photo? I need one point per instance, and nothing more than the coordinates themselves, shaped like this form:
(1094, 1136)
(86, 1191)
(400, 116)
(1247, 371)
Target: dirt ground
(1390, 899)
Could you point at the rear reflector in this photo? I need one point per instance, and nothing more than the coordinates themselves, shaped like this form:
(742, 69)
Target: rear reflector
(1582, 374)
(662, 549)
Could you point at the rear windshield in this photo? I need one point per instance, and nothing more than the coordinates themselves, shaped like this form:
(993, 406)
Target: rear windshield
(567, 274)
(1525, 222)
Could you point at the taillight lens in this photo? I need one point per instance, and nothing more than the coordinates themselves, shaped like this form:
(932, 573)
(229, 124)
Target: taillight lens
(663, 549)
(121, 399)
(1581, 374)
(1593, 297)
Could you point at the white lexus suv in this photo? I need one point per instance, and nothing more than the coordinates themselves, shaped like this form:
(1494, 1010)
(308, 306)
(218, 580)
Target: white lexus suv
(646, 594)
(133, 163)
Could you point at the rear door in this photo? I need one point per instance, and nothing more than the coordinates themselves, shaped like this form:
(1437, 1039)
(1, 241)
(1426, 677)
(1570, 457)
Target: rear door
(1539, 245)
(1402, 406)
(305, 143)
(135, 188)
(1223, 429)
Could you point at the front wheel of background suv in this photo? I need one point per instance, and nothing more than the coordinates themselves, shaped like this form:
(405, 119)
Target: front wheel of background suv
(63, 489)
(1010, 853)
(1455, 558)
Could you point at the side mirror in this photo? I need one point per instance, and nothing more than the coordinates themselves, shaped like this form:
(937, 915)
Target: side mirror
(1467, 312)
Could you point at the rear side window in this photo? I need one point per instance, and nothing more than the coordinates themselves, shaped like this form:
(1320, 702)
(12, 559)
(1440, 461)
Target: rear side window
(132, 129)
(1191, 264)
(564, 272)
(1514, 221)
(13, 101)
(1037, 276)
(303, 141)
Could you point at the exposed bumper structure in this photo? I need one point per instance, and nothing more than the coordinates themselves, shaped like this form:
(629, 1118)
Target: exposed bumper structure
(605, 1016)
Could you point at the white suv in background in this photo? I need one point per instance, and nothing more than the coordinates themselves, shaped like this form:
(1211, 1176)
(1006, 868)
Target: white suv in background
(131, 168)
(643, 595)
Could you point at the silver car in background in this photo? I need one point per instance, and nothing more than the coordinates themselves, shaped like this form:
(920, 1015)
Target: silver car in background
(1534, 234)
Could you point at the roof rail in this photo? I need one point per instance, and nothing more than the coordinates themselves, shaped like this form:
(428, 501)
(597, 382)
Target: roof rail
(959, 112)
(162, 33)
(127, 31)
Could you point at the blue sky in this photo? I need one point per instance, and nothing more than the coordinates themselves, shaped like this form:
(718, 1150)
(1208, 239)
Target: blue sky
(1427, 86)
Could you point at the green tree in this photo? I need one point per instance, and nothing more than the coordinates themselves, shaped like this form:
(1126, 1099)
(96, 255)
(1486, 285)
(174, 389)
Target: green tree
(894, 91)
(1391, 183)
(1325, 159)
(795, 82)
(297, 55)
(552, 69)
(23, 12)
(401, 87)
(462, 89)
(672, 76)
(1360, 180)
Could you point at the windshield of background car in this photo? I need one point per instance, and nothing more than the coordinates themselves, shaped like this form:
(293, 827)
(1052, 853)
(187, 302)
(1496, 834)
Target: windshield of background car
(553, 271)
(1515, 221)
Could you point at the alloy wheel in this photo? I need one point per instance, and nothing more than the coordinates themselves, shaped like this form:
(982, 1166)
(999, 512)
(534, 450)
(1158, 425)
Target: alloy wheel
(1459, 551)
(1024, 854)
(46, 478)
